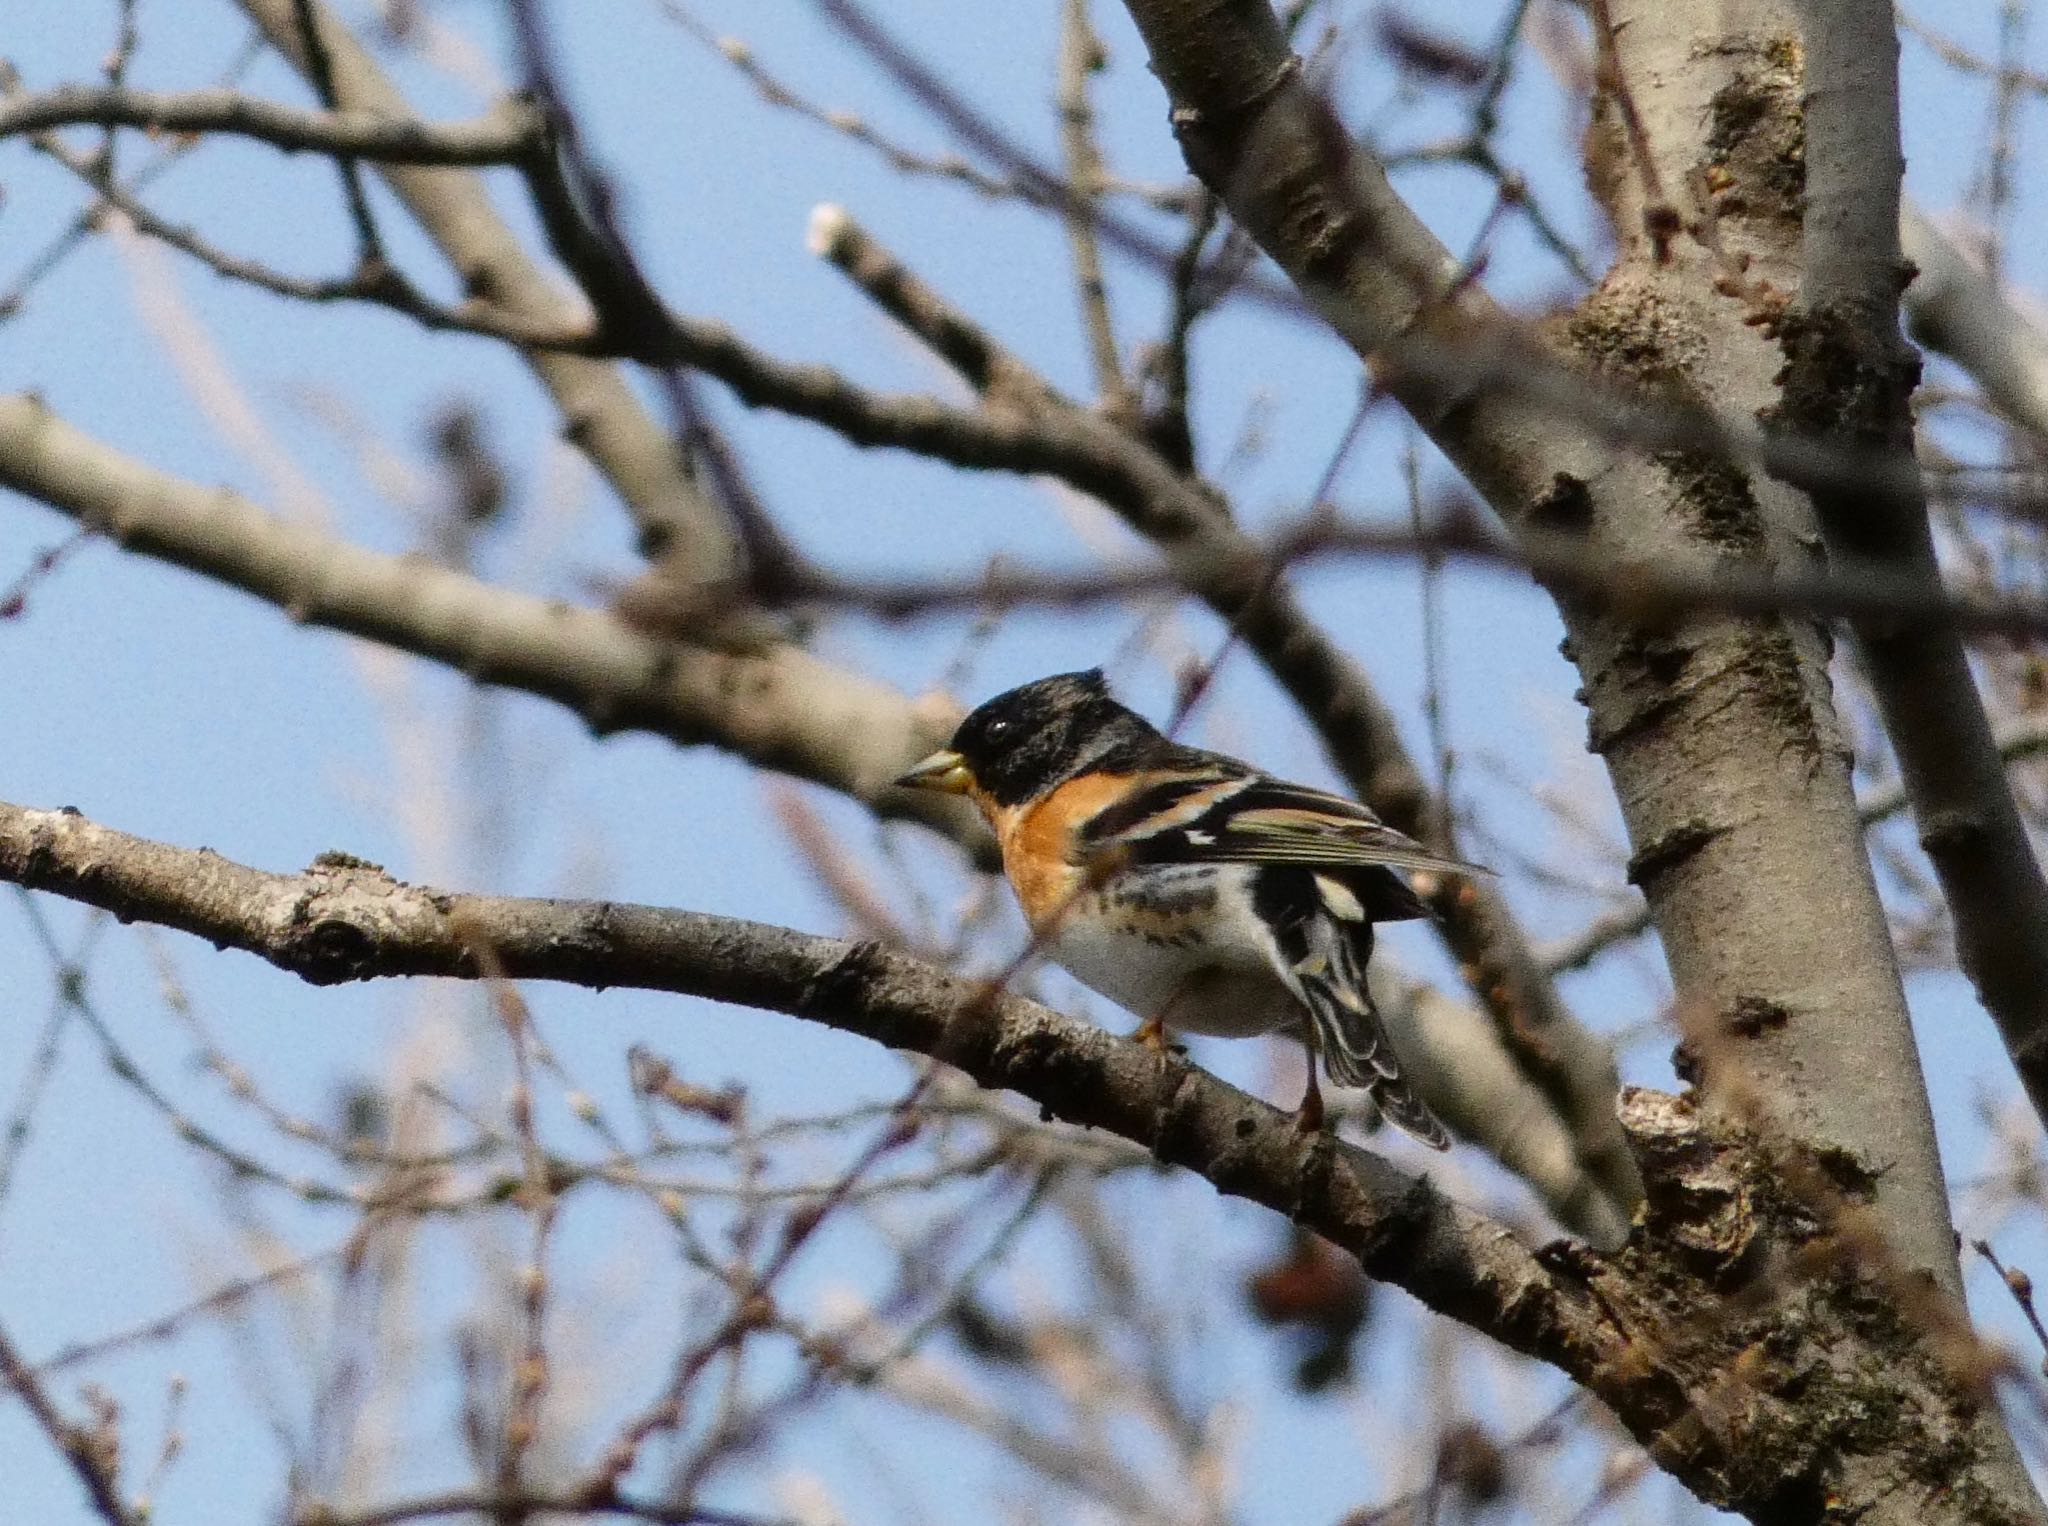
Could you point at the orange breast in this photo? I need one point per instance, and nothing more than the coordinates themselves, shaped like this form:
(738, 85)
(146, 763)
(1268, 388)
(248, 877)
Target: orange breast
(1040, 850)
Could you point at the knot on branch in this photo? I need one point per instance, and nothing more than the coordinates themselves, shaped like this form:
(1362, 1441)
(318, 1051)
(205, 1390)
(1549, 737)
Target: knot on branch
(1698, 1202)
(1772, 1339)
(1848, 374)
(338, 926)
(1669, 849)
(851, 980)
(1954, 832)
(1284, 162)
(1755, 166)
(333, 950)
(1216, 113)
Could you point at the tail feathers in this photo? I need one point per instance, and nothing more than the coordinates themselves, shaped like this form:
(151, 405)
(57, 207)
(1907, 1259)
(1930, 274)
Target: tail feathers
(1410, 1114)
(1353, 1043)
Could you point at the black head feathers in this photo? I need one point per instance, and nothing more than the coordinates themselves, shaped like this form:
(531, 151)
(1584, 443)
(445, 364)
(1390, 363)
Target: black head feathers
(1040, 734)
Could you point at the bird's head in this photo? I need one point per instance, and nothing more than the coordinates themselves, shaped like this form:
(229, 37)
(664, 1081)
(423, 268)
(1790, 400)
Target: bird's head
(1031, 739)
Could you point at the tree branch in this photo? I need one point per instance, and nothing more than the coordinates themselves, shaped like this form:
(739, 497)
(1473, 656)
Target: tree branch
(93, 1453)
(778, 706)
(510, 132)
(1851, 375)
(343, 920)
(1563, 562)
(1855, 1372)
(1954, 308)
(520, 1504)
(1080, 56)
(600, 413)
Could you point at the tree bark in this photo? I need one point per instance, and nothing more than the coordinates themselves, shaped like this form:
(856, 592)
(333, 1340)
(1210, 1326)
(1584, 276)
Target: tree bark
(1850, 376)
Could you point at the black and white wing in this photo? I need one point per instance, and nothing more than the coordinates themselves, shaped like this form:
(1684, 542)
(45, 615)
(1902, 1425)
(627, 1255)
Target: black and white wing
(1247, 818)
(1323, 875)
(1322, 940)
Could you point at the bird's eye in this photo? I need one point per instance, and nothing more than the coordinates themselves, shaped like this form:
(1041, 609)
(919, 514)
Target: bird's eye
(998, 729)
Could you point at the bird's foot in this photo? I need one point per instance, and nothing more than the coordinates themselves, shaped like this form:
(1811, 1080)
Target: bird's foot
(1152, 1034)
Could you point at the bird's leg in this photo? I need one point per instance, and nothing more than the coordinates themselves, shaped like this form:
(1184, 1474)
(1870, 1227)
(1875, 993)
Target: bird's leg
(1309, 1118)
(1152, 1031)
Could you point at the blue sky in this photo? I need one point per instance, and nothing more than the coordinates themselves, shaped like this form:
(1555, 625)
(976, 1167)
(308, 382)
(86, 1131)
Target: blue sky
(167, 707)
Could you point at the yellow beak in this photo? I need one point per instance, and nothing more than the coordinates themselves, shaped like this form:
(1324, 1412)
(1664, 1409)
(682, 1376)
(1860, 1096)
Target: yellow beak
(945, 771)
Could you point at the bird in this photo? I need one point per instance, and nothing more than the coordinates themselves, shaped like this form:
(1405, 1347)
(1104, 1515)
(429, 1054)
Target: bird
(1199, 892)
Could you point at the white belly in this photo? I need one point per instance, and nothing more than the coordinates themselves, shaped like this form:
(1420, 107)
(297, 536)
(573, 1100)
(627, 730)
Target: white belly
(1225, 984)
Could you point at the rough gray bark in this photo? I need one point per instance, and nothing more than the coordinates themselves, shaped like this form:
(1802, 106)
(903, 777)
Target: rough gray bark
(1719, 734)
(1470, 1081)
(1753, 1338)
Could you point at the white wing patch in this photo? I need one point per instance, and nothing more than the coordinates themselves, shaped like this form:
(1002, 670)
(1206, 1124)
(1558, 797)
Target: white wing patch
(1246, 818)
(1338, 897)
(1191, 807)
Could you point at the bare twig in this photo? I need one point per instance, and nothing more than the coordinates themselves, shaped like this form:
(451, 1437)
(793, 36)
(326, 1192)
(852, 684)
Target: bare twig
(508, 133)
(599, 411)
(227, 1296)
(1564, 563)
(1080, 56)
(1956, 56)
(526, 1504)
(14, 597)
(778, 93)
(579, 211)
(85, 1451)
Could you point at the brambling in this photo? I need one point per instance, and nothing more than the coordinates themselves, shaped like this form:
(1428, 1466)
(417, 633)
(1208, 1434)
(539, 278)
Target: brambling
(1191, 888)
